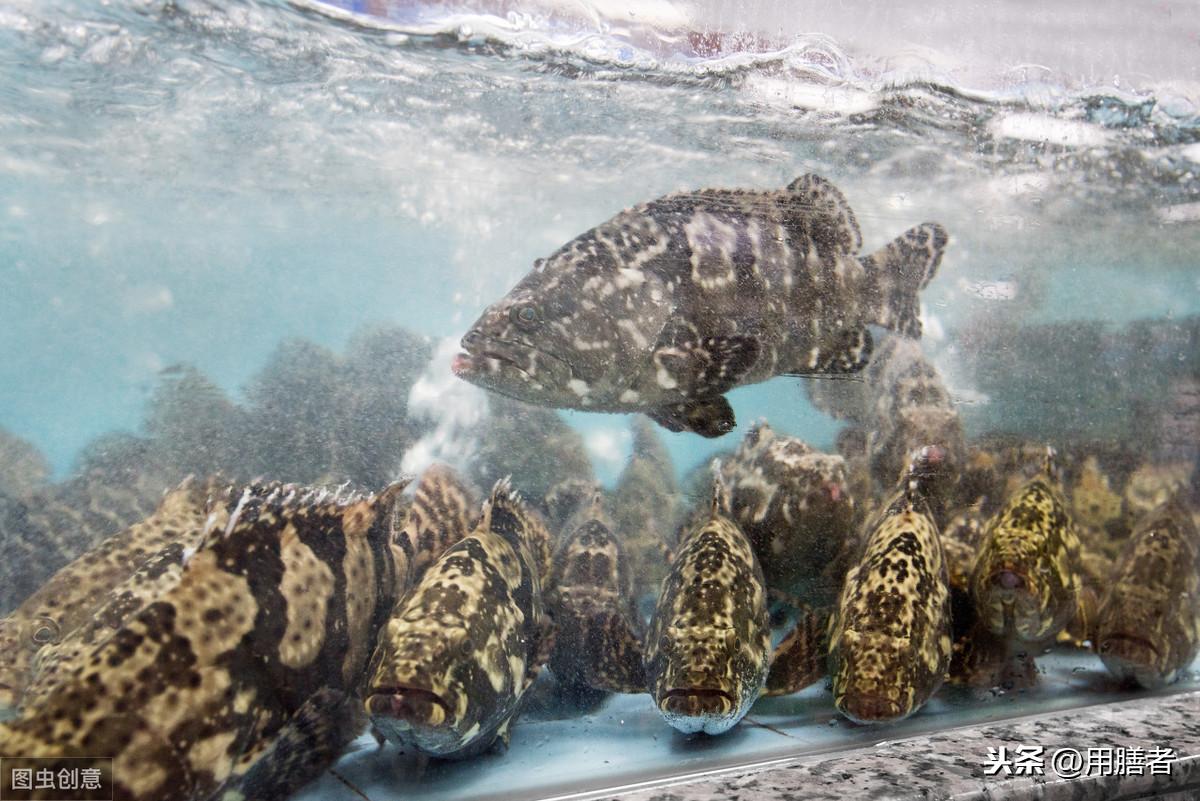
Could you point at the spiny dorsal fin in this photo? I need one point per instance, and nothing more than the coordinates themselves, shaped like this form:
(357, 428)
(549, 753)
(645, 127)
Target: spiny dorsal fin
(721, 495)
(826, 204)
(506, 514)
(1050, 463)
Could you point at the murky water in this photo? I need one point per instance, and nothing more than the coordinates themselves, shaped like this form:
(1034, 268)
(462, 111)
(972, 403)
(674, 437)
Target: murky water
(246, 238)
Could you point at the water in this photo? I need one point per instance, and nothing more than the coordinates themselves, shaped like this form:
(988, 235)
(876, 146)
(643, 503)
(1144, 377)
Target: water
(248, 236)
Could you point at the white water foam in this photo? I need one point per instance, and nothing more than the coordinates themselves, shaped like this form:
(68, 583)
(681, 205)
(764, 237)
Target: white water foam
(457, 410)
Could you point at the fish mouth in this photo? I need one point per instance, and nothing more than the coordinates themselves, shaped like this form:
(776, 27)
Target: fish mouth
(512, 368)
(870, 708)
(1007, 580)
(409, 707)
(691, 701)
(1128, 647)
(468, 363)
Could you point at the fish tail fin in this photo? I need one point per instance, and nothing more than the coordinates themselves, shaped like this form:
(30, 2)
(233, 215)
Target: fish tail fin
(900, 270)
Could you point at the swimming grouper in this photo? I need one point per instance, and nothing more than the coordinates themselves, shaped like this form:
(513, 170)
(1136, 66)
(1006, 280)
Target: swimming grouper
(672, 303)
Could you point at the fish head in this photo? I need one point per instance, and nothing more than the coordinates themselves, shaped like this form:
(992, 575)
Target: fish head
(416, 698)
(536, 345)
(873, 677)
(1130, 638)
(591, 557)
(699, 686)
(572, 333)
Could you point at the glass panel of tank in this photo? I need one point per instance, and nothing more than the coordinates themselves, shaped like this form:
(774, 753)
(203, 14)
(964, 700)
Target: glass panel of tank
(512, 400)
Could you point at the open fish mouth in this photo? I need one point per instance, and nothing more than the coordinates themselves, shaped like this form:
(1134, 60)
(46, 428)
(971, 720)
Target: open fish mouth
(692, 701)
(512, 365)
(466, 363)
(412, 707)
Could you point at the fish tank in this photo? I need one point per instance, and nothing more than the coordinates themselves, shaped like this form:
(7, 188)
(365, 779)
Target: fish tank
(528, 400)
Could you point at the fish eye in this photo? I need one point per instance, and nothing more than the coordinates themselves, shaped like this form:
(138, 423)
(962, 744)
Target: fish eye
(526, 316)
(46, 631)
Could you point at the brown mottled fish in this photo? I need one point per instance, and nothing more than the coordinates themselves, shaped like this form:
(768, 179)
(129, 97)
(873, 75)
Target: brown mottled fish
(590, 600)
(1148, 628)
(792, 503)
(43, 531)
(708, 650)
(462, 647)
(902, 404)
(243, 664)
(672, 303)
(890, 643)
(71, 595)
(1026, 580)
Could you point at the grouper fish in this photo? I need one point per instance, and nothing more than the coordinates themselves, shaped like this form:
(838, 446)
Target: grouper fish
(466, 642)
(70, 596)
(672, 303)
(1149, 622)
(890, 643)
(591, 601)
(708, 652)
(1026, 578)
(237, 680)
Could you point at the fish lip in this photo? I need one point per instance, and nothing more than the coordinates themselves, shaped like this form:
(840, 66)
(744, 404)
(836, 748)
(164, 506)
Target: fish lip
(464, 363)
(867, 708)
(703, 692)
(1008, 580)
(483, 346)
(1132, 639)
(389, 694)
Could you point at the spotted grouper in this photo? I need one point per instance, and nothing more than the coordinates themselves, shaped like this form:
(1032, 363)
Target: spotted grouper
(238, 678)
(463, 646)
(890, 645)
(708, 652)
(672, 303)
(1149, 622)
(1026, 579)
(590, 598)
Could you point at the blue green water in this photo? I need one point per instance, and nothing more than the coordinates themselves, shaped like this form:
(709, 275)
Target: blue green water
(195, 182)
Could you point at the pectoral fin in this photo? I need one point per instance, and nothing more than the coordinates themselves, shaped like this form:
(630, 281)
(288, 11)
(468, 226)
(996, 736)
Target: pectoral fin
(705, 367)
(708, 417)
(849, 353)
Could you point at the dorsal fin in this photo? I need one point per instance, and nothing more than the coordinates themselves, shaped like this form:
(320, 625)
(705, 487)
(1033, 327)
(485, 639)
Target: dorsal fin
(507, 515)
(1050, 463)
(721, 496)
(824, 200)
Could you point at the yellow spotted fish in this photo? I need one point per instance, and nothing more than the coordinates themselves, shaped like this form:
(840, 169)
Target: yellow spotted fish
(69, 598)
(708, 651)
(235, 681)
(1149, 621)
(1026, 580)
(890, 642)
(462, 647)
